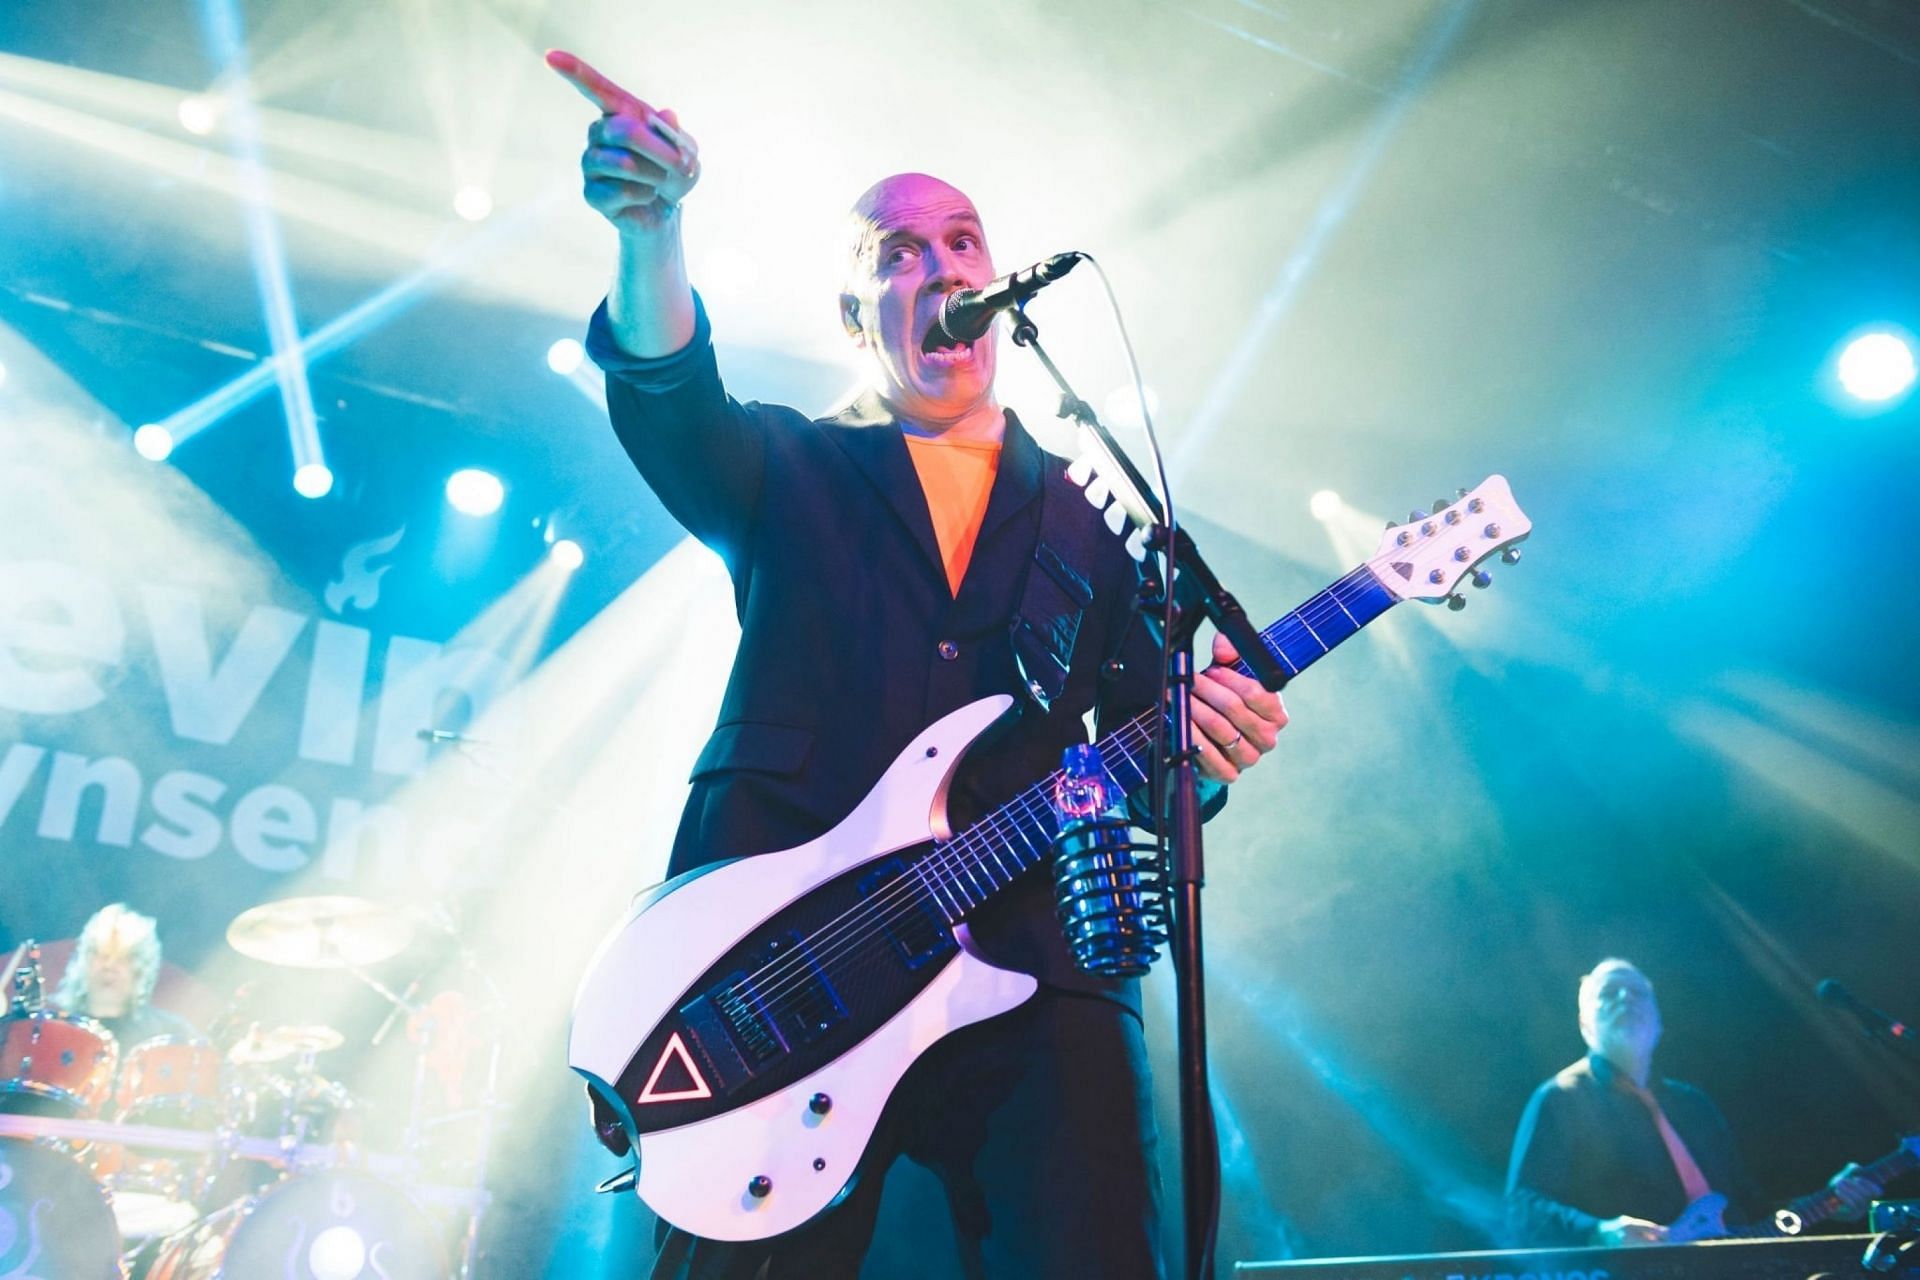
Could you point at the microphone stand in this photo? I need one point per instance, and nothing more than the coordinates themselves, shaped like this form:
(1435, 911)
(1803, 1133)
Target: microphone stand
(1196, 593)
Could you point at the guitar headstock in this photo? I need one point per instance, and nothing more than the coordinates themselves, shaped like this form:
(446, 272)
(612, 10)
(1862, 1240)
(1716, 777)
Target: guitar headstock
(1427, 557)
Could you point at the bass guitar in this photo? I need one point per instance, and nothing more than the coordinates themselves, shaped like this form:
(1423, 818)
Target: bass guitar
(1705, 1218)
(743, 1028)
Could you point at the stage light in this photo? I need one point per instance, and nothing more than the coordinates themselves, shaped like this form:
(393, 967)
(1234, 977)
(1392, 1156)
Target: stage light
(199, 116)
(475, 492)
(472, 203)
(1325, 505)
(338, 1253)
(1121, 408)
(1876, 367)
(564, 356)
(313, 480)
(153, 442)
(567, 554)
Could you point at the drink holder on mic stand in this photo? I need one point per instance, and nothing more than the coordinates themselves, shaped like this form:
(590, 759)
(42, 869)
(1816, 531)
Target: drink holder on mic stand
(1196, 593)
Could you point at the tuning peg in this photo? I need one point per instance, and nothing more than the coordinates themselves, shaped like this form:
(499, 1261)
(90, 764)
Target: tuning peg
(1393, 524)
(1439, 503)
(1459, 494)
(1482, 579)
(1510, 556)
(1414, 517)
(1456, 602)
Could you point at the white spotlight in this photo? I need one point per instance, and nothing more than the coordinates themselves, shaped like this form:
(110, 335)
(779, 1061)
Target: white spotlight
(1325, 505)
(1121, 408)
(199, 116)
(472, 203)
(564, 356)
(338, 1253)
(567, 554)
(313, 480)
(153, 442)
(475, 492)
(1876, 367)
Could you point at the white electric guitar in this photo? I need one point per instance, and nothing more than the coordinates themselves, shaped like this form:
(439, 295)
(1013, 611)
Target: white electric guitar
(744, 1027)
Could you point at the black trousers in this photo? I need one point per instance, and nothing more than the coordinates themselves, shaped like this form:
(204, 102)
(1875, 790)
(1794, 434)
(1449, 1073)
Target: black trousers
(1038, 1124)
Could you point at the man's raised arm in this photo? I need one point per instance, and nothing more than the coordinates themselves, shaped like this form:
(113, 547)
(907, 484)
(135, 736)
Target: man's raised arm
(637, 167)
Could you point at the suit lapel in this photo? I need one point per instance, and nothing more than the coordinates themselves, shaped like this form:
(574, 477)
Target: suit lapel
(873, 442)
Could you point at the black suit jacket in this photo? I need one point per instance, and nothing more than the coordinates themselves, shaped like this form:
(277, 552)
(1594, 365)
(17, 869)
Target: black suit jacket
(852, 641)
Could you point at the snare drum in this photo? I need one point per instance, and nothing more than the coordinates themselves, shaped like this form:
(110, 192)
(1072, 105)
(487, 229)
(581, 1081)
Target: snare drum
(55, 1064)
(329, 1224)
(54, 1218)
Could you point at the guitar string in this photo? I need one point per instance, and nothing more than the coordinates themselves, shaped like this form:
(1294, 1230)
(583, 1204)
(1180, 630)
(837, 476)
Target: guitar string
(905, 896)
(909, 893)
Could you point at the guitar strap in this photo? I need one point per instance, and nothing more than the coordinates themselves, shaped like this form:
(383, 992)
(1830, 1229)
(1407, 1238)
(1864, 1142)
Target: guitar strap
(1055, 599)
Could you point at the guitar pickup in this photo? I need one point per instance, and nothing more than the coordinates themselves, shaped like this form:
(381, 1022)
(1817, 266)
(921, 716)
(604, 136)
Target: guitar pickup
(918, 935)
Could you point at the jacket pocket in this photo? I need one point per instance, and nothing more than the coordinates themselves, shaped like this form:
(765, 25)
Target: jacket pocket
(758, 745)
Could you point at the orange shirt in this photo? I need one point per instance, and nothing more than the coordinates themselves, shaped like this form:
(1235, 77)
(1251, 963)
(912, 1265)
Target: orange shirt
(957, 477)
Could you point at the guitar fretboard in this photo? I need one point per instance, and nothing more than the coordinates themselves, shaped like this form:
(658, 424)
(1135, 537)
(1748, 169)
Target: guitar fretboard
(978, 862)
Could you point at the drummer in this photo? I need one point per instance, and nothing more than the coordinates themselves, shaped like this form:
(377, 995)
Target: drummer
(111, 975)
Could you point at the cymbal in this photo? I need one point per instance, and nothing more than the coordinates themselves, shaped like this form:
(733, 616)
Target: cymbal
(270, 1044)
(327, 932)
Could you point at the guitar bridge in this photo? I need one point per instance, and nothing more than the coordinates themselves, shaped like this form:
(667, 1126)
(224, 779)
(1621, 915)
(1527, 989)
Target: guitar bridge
(783, 1001)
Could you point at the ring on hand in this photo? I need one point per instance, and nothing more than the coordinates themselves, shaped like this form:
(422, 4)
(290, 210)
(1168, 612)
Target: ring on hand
(1238, 738)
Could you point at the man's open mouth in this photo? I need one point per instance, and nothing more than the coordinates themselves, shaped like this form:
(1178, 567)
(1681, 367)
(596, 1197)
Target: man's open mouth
(941, 349)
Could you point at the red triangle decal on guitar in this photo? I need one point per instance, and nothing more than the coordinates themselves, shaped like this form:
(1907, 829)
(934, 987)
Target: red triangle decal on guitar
(683, 1085)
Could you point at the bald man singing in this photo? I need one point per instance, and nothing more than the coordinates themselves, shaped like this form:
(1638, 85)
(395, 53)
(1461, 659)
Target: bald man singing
(879, 557)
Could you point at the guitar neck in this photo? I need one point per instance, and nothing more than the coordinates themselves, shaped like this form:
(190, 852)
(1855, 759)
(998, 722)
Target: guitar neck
(1824, 1204)
(993, 852)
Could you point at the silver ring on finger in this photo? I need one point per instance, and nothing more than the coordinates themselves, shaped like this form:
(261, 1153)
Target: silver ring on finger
(1238, 738)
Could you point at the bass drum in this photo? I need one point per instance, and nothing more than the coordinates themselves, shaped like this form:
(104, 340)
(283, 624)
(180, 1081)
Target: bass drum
(321, 1226)
(55, 1220)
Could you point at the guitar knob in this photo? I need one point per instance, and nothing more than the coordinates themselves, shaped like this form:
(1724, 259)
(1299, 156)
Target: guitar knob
(1482, 579)
(1510, 556)
(819, 1104)
(1456, 602)
(760, 1187)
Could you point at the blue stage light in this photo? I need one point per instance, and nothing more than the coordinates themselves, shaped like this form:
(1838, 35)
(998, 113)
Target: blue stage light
(153, 442)
(567, 554)
(564, 356)
(475, 492)
(1876, 367)
(313, 480)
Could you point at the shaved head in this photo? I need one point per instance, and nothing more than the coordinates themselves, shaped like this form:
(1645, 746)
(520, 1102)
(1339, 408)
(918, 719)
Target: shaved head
(882, 204)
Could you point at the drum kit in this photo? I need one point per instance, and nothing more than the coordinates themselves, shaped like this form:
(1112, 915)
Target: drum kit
(186, 1158)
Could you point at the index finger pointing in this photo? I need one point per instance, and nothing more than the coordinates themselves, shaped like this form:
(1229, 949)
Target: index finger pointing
(593, 86)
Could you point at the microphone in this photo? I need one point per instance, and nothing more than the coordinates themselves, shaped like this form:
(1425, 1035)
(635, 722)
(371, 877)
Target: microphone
(1875, 1023)
(969, 313)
